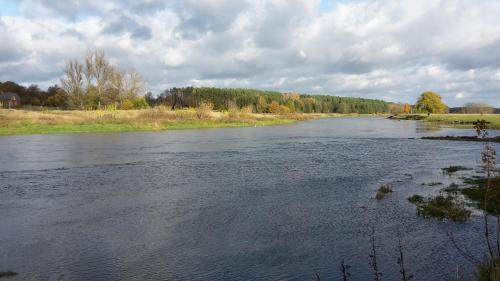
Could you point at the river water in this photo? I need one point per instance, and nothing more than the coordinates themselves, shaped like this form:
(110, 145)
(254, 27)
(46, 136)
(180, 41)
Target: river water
(264, 203)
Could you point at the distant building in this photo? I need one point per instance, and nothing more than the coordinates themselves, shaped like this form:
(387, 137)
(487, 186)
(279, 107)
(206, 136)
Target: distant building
(9, 100)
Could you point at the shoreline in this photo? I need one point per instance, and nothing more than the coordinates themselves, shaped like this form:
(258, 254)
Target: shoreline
(458, 121)
(26, 122)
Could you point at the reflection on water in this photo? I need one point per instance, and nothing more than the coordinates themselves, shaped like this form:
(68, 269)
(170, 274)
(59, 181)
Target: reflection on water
(264, 203)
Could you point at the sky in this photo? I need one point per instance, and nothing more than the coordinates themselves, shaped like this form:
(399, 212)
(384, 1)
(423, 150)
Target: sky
(390, 50)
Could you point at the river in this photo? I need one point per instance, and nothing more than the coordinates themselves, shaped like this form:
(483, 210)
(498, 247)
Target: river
(264, 203)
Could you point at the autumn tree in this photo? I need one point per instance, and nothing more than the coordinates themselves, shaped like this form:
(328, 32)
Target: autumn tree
(430, 102)
(274, 107)
(261, 104)
(407, 108)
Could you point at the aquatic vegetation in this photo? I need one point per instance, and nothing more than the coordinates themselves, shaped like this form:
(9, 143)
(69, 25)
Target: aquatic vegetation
(383, 190)
(416, 199)
(453, 169)
(489, 270)
(432, 183)
(476, 192)
(7, 274)
(441, 207)
(452, 188)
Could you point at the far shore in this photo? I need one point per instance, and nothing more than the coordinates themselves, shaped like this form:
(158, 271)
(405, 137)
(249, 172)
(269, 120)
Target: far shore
(24, 122)
(459, 121)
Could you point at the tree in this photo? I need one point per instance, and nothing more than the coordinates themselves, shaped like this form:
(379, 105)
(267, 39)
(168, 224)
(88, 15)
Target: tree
(274, 107)
(97, 82)
(72, 83)
(430, 102)
(479, 108)
(407, 108)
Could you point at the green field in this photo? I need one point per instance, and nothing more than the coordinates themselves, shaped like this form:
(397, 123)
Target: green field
(454, 120)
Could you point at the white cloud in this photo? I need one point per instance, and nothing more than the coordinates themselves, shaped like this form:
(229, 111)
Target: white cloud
(375, 49)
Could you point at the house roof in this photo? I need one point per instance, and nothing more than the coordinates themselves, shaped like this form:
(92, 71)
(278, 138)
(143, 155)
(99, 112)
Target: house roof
(8, 96)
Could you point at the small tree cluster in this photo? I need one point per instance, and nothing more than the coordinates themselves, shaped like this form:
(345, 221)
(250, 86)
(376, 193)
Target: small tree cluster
(96, 83)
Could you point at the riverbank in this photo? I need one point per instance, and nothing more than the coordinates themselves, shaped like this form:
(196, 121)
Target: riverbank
(453, 120)
(463, 138)
(16, 122)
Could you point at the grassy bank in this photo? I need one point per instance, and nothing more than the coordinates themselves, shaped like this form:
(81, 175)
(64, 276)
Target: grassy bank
(454, 120)
(13, 122)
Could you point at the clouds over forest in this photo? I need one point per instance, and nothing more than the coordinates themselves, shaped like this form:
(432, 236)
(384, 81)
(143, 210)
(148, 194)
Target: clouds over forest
(391, 50)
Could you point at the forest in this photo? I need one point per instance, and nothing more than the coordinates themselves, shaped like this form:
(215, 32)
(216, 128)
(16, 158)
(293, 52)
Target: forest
(220, 98)
(264, 101)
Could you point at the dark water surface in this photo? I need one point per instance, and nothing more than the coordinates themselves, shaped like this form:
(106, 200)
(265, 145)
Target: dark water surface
(265, 203)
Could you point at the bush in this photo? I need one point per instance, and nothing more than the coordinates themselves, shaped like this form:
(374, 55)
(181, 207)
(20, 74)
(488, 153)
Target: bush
(127, 105)
(141, 103)
(204, 110)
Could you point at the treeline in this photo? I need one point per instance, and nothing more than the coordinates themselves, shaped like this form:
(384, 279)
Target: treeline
(54, 96)
(264, 101)
(220, 98)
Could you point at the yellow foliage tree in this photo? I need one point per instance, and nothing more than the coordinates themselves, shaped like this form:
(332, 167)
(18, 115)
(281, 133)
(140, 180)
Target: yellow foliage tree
(430, 102)
(407, 108)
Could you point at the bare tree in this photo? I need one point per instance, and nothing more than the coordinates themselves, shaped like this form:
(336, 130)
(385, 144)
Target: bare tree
(478, 108)
(133, 84)
(72, 83)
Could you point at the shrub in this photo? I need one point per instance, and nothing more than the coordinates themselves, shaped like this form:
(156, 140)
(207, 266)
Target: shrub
(141, 103)
(204, 110)
(127, 104)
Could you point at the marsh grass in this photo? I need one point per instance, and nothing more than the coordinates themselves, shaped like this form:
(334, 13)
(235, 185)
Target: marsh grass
(453, 169)
(161, 118)
(476, 190)
(488, 271)
(436, 183)
(440, 207)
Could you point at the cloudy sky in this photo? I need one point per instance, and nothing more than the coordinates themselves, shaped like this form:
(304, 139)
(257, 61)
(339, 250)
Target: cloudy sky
(392, 50)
